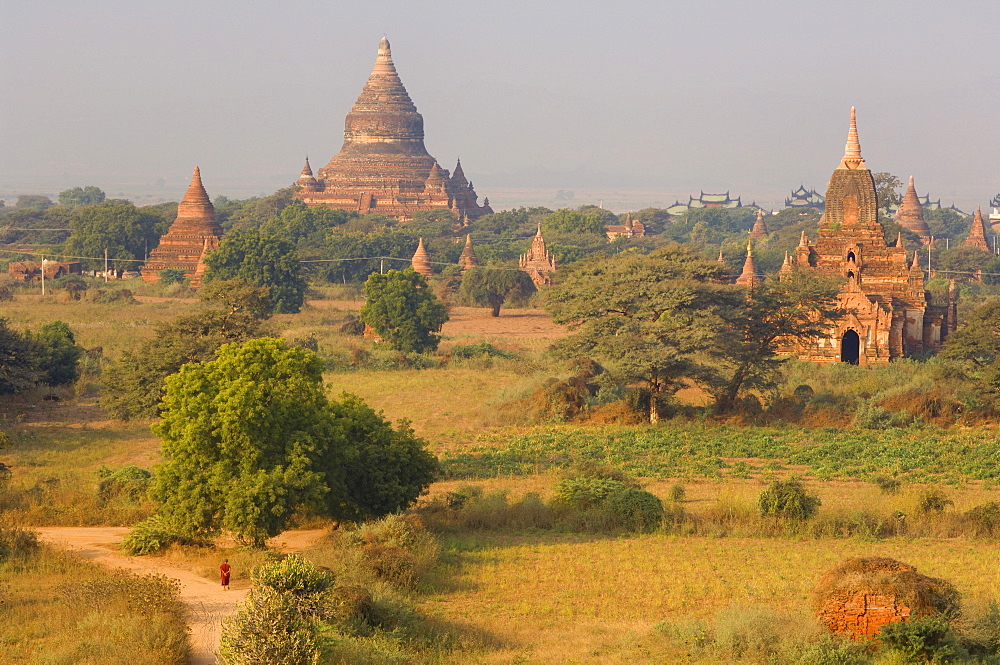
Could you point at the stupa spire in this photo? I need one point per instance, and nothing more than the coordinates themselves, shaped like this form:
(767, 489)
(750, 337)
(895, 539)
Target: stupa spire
(759, 229)
(910, 214)
(916, 260)
(852, 151)
(977, 234)
(307, 170)
(720, 259)
(421, 262)
(468, 259)
(749, 275)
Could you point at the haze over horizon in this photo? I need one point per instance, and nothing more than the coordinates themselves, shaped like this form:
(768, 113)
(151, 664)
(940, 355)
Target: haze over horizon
(634, 102)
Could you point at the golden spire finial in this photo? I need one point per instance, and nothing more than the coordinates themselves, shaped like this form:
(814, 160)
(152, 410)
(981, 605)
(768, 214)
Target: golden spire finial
(852, 151)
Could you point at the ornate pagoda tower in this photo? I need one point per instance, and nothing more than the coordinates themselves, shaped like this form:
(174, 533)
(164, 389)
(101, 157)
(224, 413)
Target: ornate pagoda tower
(192, 235)
(888, 311)
(538, 262)
(383, 166)
(977, 233)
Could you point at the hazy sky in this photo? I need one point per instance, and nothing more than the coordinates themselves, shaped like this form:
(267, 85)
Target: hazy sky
(657, 98)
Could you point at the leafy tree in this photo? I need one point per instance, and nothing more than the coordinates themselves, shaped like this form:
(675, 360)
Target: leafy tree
(133, 384)
(796, 309)
(575, 221)
(977, 342)
(307, 226)
(250, 437)
(403, 311)
(263, 259)
(650, 317)
(80, 196)
(58, 354)
(887, 192)
(251, 213)
(946, 223)
(171, 276)
(118, 226)
(492, 287)
(34, 202)
(18, 360)
(241, 298)
(967, 261)
(379, 242)
(389, 468)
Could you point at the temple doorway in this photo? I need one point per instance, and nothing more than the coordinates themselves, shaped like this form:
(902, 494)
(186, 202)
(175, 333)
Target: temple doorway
(850, 348)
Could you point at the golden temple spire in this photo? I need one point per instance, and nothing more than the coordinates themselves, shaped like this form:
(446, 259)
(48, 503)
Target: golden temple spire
(749, 275)
(852, 151)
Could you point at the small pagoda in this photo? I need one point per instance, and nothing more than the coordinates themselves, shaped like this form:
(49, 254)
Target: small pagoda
(977, 234)
(538, 262)
(193, 234)
(910, 214)
(468, 259)
(421, 261)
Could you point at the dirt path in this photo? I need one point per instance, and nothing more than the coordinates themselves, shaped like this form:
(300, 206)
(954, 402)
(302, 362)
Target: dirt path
(207, 603)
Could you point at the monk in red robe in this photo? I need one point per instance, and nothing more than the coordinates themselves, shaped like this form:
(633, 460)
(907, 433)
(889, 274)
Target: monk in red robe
(224, 571)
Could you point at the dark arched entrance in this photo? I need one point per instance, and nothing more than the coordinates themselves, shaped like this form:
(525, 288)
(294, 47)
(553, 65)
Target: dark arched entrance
(850, 348)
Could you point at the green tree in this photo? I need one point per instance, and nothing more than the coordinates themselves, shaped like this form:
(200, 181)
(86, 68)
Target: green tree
(492, 287)
(887, 192)
(239, 297)
(651, 318)
(116, 226)
(58, 354)
(403, 311)
(172, 276)
(263, 259)
(81, 196)
(33, 202)
(797, 309)
(133, 383)
(250, 438)
(575, 221)
(977, 342)
(18, 360)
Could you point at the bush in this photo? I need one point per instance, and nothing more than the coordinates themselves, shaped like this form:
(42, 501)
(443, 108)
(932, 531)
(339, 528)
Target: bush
(129, 483)
(302, 581)
(677, 492)
(788, 499)
(636, 510)
(16, 542)
(396, 549)
(143, 594)
(887, 485)
(984, 520)
(268, 628)
(171, 276)
(927, 640)
(614, 503)
(933, 501)
(151, 536)
(483, 349)
(113, 296)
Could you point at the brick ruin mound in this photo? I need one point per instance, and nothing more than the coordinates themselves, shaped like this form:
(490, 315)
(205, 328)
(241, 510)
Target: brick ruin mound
(860, 595)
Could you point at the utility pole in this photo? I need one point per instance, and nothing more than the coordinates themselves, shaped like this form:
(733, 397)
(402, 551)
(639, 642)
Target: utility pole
(105, 265)
(43, 275)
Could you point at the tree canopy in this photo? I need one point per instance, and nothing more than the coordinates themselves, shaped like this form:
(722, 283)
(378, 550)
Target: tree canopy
(117, 226)
(250, 438)
(257, 257)
(403, 311)
(80, 196)
(492, 287)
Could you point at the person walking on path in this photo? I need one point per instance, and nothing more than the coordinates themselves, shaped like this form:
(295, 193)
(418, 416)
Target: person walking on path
(224, 571)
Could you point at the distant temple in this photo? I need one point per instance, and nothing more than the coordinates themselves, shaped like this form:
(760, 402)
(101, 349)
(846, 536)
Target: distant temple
(421, 262)
(383, 166)
(759, 229)
(193, 234)
(631, 228)
(468, 258)
(806, 198)
(977, 234)
(889, 315)
(910, 214)
(538, 263)
(995, 214)
(705, 201)
(27, 271)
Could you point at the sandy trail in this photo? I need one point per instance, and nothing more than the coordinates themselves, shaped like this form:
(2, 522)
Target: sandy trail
(208, 604)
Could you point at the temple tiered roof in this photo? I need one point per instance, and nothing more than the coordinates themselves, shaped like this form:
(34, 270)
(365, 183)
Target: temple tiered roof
(383, 166)
(194, 233)
(805, 198)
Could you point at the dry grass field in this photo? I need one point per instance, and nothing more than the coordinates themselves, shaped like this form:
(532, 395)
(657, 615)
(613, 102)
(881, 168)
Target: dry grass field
(542, 596)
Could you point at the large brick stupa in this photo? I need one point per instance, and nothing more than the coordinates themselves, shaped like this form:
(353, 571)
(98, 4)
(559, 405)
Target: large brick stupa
(194, 233)
(383, 166)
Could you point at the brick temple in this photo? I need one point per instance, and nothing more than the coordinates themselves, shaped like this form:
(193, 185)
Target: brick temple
(383, 166)
(194, 233)
(889, 315)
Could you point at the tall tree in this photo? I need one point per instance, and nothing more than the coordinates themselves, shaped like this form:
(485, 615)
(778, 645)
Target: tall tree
(250, 438)
(797, 309)
(259, 258)
(81, 196)
(649, 318)
(403, 311)
(116, 226)
(492, 287)
(58, 354)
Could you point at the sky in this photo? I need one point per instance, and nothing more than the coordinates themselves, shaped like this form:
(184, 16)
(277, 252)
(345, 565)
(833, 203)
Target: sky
(630, 102)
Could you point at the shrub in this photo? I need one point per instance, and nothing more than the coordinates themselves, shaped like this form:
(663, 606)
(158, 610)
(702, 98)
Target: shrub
(483, 349)
(151, 536)
(268, 628)
(353, 326)
(927, 640)
(113, 296)
(396, 549)
(129, 483)
(984, 520)
(302, 581)
(143, 594)
(887, 485)
(614, 504)
(788, 499)
(677, 492)
(171, 276)
(933, 500)
(636, 510)
(16, 542)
